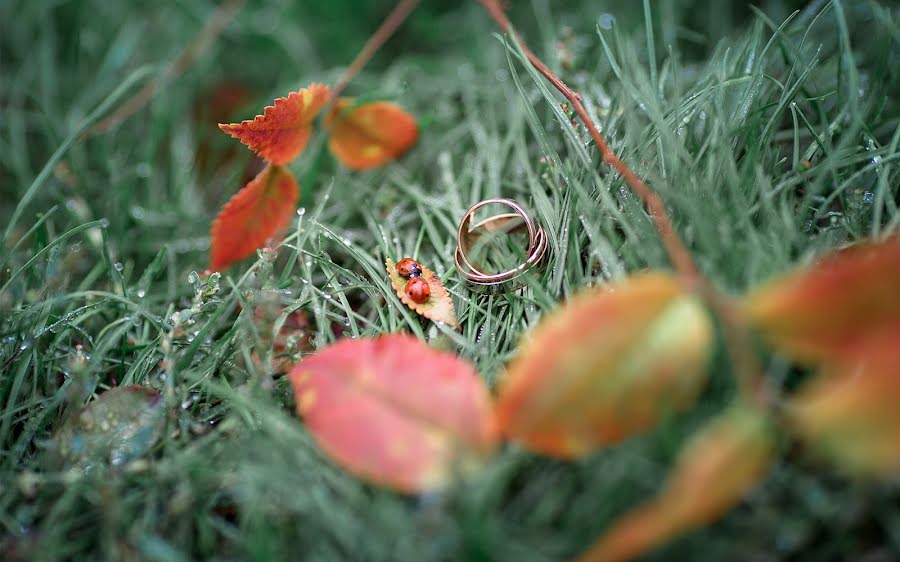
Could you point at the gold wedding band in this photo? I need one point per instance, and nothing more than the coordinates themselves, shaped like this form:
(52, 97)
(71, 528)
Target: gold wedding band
(468, 235)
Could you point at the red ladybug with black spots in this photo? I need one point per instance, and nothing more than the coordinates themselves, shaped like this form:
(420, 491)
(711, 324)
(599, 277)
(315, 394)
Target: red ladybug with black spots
(418, 290)
(408, 267)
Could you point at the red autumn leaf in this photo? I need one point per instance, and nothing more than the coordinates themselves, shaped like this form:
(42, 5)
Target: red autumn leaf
(608, 365)
(844, 305)
(849, 414)
(438, 307)
(370, 135)
(282, 131)
(394, 411)
(714, 471)
(256, 213)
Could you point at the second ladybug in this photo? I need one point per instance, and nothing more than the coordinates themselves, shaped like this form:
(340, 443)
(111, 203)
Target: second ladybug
(408, 267)
(418, 290)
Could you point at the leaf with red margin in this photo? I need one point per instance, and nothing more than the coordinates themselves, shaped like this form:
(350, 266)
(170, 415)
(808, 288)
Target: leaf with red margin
(849, 414)
(438, 307)
(396, 412)
(713, 473)
(256, 213)
(370, 135)
(844, 305)
(609, 364)
(282, 131)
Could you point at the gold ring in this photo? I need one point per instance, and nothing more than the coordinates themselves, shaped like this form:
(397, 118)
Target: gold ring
(468, 234)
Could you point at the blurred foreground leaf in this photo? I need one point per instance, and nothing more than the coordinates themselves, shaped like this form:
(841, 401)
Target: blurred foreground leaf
(394, 411)
(714, 471)
(608, 365)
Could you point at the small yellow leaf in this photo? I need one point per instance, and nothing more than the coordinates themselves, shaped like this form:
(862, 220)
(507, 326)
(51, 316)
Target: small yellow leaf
(438, 307)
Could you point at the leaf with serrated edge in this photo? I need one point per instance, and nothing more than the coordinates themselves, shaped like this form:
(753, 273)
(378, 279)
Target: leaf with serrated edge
(396, 412)
(255, 214)
(438, 307)
(370, 135)
(844, 305)
(714, 472)
(609, 364)
(282, 131)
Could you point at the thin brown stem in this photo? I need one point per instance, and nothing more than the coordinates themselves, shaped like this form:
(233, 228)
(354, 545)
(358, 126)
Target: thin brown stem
(217, 23)
(397, 16)
(678, 253)
(734, 326)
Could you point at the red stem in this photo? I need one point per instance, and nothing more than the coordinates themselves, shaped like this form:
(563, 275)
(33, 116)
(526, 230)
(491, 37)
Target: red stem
(735, 328)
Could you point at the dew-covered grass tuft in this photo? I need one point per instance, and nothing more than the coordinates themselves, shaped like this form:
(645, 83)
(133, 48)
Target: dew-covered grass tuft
(771, 133)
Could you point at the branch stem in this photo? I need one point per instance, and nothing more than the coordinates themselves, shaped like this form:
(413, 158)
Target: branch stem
(735, 330)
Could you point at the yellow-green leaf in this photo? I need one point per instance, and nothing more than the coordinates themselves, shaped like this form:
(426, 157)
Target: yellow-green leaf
(609, 364)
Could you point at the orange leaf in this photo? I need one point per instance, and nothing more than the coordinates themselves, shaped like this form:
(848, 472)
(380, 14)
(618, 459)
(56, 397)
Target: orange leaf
(282, 131)
(845, 303)
(370, 135)
(438, 307)
(394, 411)
(255, 213)
(714, 471)
(850, 415)
(606, 366)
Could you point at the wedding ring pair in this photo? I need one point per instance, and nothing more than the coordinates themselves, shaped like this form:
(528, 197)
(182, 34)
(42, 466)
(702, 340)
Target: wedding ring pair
(468, 235)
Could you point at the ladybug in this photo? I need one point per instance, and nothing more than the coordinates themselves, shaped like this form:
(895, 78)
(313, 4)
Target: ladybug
(408, 267)
(418, 290)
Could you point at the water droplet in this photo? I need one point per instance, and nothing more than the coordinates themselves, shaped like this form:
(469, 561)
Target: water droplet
(141, 293)
(301, 211)
(606, 21)
(143, 170)
(104, 222)
(868, 197)
(118, 266)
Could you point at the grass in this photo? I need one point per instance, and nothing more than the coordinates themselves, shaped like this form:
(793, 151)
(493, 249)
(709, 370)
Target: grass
(772, 136)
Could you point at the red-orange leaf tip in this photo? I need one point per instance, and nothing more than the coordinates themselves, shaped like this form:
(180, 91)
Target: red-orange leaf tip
(844, 305)
(607, 365)
(256, 213)
(282, 131)
(370, 135)
(395, 412)
(437, 307)
(714, 472)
